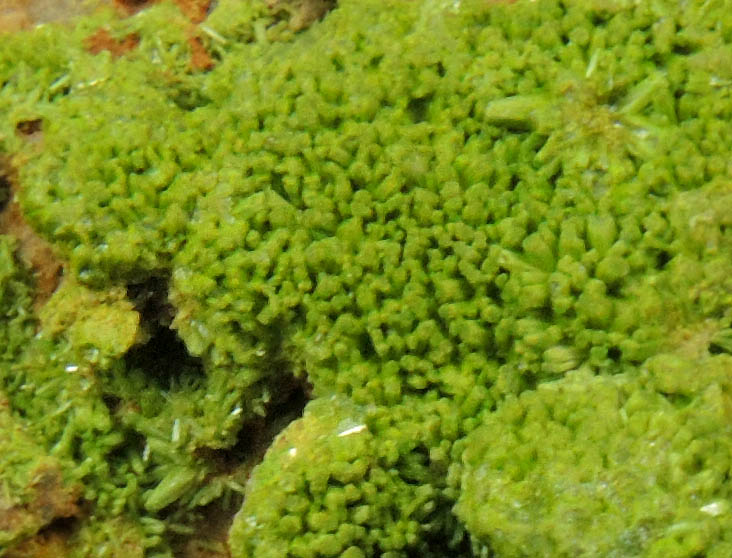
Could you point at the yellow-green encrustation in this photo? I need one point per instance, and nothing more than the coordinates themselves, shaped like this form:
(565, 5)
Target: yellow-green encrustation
(490, 242)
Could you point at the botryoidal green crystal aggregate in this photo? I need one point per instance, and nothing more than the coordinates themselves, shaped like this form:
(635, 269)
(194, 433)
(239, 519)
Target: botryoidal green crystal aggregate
(493, 241)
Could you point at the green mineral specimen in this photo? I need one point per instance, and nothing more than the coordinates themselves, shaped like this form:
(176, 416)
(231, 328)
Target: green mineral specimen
(604, 466)
(490, 242)
(33, 491)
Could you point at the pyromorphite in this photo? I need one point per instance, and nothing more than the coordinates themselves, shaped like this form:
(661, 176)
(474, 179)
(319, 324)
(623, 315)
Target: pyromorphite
(427, 217)
(34, 488)
(605, 466)
(105, 321)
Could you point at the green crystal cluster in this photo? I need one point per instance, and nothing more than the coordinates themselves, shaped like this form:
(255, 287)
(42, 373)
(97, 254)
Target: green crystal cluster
(493, 241)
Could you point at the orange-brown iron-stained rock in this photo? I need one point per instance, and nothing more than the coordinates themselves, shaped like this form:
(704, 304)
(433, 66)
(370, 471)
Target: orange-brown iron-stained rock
(33, 250)
(49, 543)
(200, 58)
(195, 10)
(50, 500)
(130, 7)
(14, 15)
(102, 40)
(53, 499)
(14, 21)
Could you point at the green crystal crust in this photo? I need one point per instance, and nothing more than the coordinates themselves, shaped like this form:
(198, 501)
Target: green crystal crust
(491, 234)
(604, 466)
(352, 481)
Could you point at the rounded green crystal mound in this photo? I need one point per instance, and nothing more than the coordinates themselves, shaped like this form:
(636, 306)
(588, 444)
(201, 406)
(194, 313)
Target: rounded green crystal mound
(111, 185)
(493, 197)
(349, 481)
(327, 453)
(597, 466)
